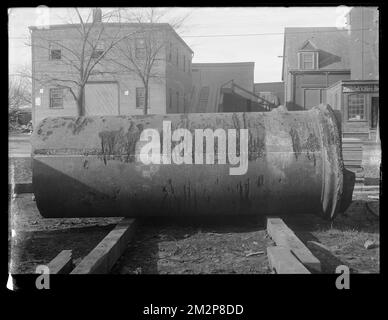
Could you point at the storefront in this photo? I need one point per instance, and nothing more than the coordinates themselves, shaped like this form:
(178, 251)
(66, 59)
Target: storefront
(358, 102)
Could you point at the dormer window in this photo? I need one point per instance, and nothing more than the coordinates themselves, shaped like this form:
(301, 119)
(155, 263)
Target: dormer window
(308, 57)
(307, 60)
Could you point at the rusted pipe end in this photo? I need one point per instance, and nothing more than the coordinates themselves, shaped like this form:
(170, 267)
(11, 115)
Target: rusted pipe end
(337, 184)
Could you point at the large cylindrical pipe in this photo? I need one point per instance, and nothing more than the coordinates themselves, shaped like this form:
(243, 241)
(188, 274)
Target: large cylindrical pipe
(97, 166)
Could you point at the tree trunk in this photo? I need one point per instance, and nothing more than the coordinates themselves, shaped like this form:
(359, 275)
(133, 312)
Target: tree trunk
(81, 102)
(146, 99)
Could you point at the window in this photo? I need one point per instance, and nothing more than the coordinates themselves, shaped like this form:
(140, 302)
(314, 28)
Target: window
(177, 101)
(140, 50)
(56, 98)
(203, 98)
(98, 50)
(356, 107)
(140, 98)
(55, 51)
(307, 60)
(177, 57)
(55, 54)
(184, 63)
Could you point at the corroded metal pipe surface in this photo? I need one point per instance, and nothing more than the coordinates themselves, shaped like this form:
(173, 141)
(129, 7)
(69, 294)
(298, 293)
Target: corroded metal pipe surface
(91, 167)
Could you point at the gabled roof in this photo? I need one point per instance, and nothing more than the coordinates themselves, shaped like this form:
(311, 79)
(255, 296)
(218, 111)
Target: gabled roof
(166, 26)
(308, 46)
(333, 45)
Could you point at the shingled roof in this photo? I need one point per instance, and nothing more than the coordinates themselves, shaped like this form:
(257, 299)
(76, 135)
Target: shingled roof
(332, 43)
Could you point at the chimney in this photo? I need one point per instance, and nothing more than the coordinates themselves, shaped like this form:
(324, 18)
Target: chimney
(97, 15)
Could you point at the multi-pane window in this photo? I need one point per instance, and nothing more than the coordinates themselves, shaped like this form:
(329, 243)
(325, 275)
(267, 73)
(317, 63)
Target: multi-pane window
(98, 49)
(55, 51)
(56, 98)
(140, 48)
(55, 54)
(356, 107)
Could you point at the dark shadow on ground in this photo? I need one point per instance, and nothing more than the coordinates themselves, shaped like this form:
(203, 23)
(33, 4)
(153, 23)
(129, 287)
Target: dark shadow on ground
(329, 262)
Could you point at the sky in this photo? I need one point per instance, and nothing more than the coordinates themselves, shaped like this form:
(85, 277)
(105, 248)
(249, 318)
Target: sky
(247, 34)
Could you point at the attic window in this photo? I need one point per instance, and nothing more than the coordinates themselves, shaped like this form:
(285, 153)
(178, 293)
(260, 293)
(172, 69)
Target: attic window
(308, 60)
(308, 56)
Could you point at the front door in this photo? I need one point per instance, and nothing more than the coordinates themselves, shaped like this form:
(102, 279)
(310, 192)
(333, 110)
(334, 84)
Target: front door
(374, 112)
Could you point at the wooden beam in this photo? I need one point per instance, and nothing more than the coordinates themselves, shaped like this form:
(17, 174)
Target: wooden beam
(103, 257)
(62, 263)
(283, 236)
(284, 262)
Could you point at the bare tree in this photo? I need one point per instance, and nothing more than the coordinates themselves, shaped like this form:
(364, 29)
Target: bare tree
(141, 52)
(19, 91)
(83, 54)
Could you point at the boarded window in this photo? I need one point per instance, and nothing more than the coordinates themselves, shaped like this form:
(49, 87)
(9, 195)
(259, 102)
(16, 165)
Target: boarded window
(356, 107)
(203, 97)
(56, 98)
(98, 50)
(140, 48)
